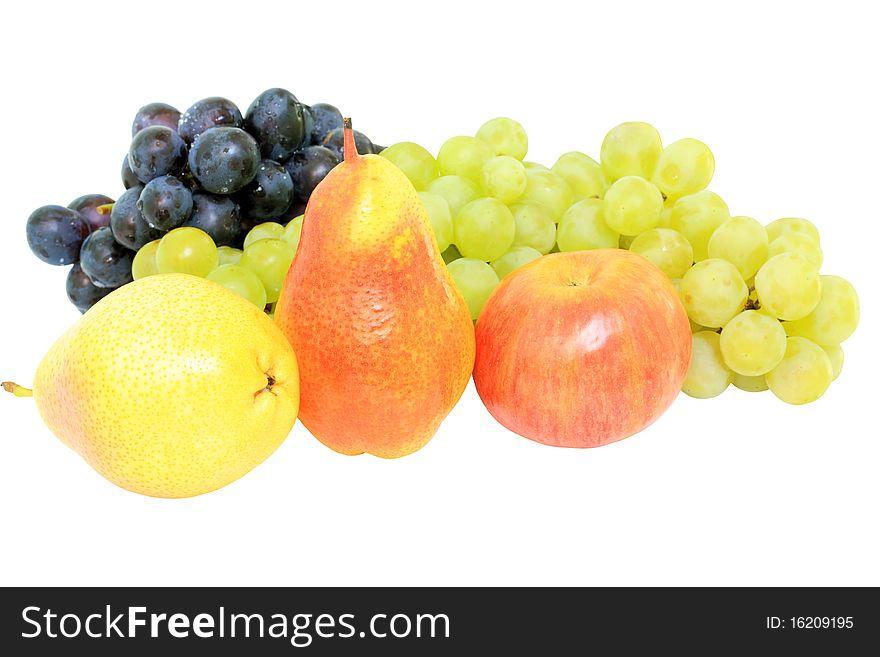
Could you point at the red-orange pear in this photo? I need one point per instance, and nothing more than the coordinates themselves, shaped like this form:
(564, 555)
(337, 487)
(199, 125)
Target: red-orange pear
(384, 341)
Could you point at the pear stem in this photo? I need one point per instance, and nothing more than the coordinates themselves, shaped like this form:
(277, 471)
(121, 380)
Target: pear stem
(349, 148)
(17, 390)
(107, 208)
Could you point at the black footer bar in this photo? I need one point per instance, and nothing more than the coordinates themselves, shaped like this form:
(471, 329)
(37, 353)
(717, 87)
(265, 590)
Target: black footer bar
(437, 621)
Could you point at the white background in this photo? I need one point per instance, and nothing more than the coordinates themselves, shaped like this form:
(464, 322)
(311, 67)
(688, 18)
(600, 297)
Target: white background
(737, 490)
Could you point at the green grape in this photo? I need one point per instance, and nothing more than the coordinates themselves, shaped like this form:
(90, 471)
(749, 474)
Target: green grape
(450, 254)
(764, 311)
(505, 137)
(514, 259)
(788, 287)
(227, 255)
(549, 190)
(712, 292)
(630, 149)
(534, 227)
(791, 225)
(242, 281)
(475, 280)
(835, 355)
(582, 173)
(626, 241)
(293, 231)
(750, 383)
(269, 259)
(834, 318)
(697, 216)
(268, 230)
(666, 248)
(800, 243)
(186, 250)
(666, 218)
(752, 343)
(415, 161)
(463, 156)
(484, 229)
(803, 375)
(504, 178)
(633, 205)
(695, 328)
(707, 375)
(440, 218)
(685, 167)
(583, 227)
(741, 241)
(534, 166)
(457, 191)
(144, 263)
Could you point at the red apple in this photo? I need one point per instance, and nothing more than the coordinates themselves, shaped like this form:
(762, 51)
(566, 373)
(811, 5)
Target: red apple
(582, 349)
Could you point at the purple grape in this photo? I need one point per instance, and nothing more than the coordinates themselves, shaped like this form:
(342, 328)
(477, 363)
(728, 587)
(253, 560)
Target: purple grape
(224, 159)
(156, 151)
(81, 291)
(129, 180)
(268, 195)
(208, 113)
(56, 234)
(296, 209)
(275, 119)
(155, 114)
(128, 225)
(308, 126)
(219, 216)
(88, 205)
(104, 260)
(326, 119)
(165, 203)
(308, 167)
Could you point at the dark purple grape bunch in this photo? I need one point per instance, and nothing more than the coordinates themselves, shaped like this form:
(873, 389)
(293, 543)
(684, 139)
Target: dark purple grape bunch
(210, 167)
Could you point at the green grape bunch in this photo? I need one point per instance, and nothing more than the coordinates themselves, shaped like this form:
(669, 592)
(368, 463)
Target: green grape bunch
(762, 316)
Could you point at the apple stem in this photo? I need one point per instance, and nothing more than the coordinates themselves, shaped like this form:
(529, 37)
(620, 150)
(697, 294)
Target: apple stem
(17, 390)
(349, 148)
(107, 208)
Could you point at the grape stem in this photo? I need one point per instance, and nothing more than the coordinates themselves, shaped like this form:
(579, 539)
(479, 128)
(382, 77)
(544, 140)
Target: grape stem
(107, 208)
(349, 149)
(17, 390)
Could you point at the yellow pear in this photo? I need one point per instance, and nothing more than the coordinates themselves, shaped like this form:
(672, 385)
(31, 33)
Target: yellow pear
(171, 386)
